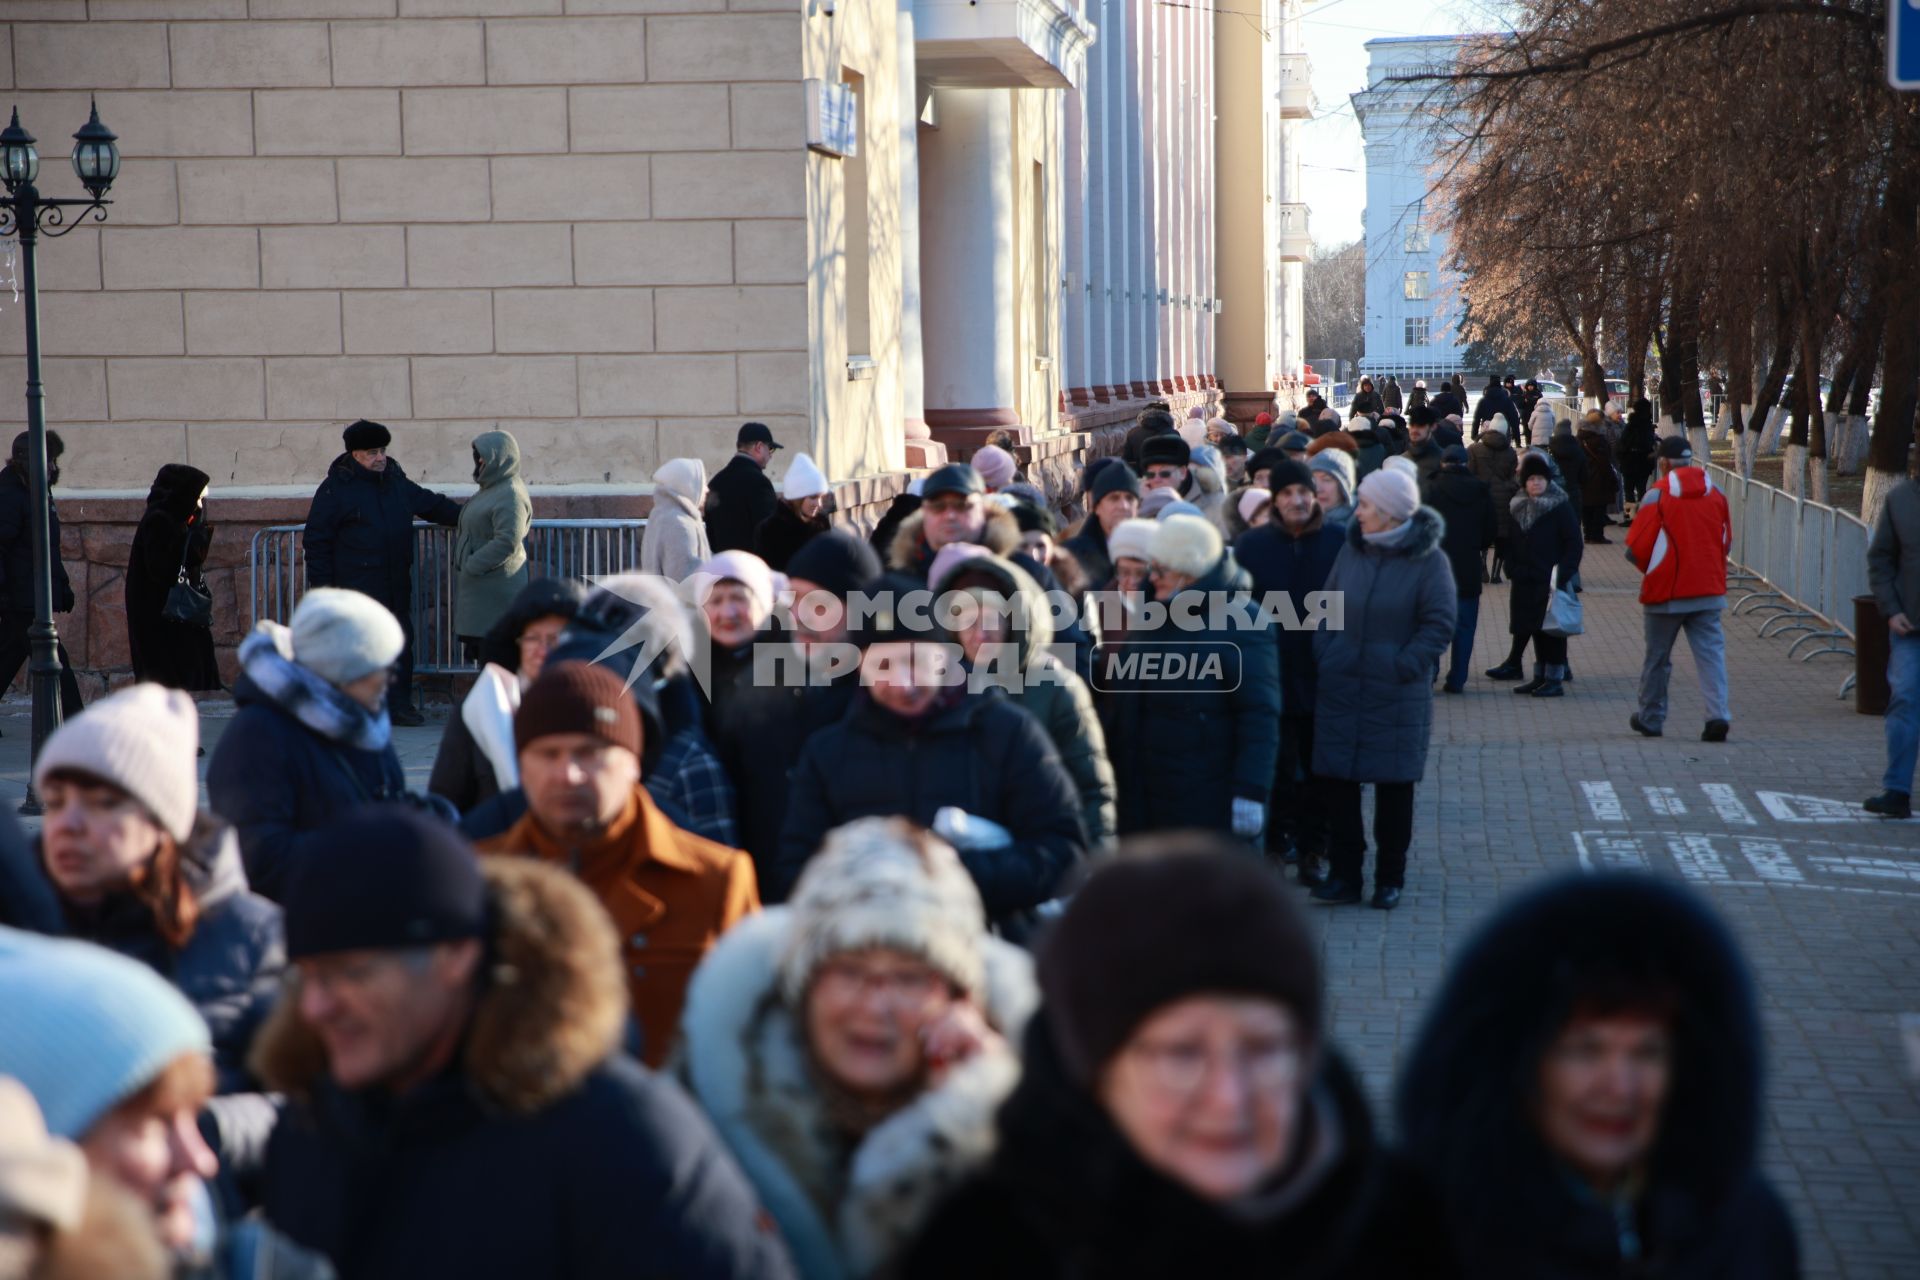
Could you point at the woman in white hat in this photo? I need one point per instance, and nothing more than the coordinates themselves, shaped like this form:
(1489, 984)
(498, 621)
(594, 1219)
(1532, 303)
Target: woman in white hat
(800, 517)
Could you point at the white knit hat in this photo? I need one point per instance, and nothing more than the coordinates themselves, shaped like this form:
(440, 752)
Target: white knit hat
(743, 567)
(142, 740)
(1132, 539)
(1393, 492)
(803, 479)
(1404, 465)
(1186, 544)
(884, 882)
(341, 636)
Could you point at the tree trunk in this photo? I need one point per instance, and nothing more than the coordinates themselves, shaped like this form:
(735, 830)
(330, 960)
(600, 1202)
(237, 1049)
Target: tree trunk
(1739, 381)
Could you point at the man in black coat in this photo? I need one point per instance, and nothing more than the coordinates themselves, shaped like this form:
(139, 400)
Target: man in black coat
(1422, 449)
(1497, 400)
(1466, 503)
(359, 535)
(1113, 495)
(458, 1101)
(16, 568)
(740, 497)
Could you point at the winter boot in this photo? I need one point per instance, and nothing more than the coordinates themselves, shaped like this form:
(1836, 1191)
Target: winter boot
(1890, 804)
(1551, 686)
(1534, 685)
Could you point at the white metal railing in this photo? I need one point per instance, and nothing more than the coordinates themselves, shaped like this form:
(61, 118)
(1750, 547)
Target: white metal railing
(277, 569)
(1805, 562)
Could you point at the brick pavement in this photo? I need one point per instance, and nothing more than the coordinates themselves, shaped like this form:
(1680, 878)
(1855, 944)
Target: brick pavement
(1826, 901)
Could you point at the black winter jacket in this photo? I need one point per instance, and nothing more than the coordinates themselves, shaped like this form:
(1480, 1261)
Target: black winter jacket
(1466, 504)
(979, 752)
(740, 498)
(1278, 561)
(1512, 1212)
(1496, 402)
(783, 533)
(360, 530)
(171, 533)
(16, 548)
(1066, 1197)
(1552, 543)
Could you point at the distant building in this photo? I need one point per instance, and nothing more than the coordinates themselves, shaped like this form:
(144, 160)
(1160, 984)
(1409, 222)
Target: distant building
(1413, 304)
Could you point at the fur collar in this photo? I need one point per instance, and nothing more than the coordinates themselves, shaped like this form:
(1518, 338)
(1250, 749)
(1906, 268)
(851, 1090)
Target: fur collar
(1428, 530)
(843, 1213)
(553, 1009)
(1527, 510)
(1000, 536)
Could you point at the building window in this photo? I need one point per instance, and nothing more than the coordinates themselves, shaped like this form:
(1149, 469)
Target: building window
(859, 305)
(1419, 239)
(1415, 286)
(1419, 331)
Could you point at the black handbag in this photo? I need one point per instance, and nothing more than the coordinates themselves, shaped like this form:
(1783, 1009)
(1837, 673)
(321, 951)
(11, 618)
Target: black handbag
(187, 603)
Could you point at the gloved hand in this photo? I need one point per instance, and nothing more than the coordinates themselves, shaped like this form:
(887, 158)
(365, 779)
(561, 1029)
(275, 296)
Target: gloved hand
(1249, 816)
(965, 830)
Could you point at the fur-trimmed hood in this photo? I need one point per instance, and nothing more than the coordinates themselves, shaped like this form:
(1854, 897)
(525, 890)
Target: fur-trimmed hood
(908, 553)
(1465, 1090)
(1429, 527)
(553, 1007)
(743, 1057)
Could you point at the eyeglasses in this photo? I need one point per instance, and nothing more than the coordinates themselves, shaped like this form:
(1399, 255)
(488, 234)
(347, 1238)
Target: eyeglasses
(1181, 1069)
(1162, 473)
(900, 989)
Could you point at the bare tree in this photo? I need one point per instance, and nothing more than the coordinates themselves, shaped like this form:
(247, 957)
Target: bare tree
(1334, 289)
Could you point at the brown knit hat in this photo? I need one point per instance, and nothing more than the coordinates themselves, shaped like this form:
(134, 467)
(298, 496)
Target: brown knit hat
(1334, 440)
(578, 697)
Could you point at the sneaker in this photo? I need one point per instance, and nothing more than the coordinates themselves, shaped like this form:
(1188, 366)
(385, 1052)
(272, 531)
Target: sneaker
(1716, 731)
(1386, 899)
(1641, 727)
(1890, 804)
(1337, 893)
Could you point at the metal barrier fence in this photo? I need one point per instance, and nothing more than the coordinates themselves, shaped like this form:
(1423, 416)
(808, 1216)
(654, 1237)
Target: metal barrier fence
(277, 567)
(1805, 563)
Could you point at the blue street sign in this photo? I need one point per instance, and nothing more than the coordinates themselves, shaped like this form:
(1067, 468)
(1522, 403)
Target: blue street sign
(1903, 43)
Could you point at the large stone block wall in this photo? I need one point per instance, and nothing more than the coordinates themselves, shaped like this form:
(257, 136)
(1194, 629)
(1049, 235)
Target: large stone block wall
(580, 220)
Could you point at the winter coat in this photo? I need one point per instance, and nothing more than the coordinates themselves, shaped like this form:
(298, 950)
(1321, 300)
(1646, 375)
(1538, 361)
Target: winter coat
(1066, 1196)
(1572, 461)
(1390, 397)
(669, 892)
(1089, 548)
(1038, 682)
(783, 533)
(542, 1152)
(16, 547)
(490, 545)
(1601, 488)
(172, 533)
(1546, 547)
(1493, 461)
(1427, 457)
(1680, 537)
(1366, 402)
(1512, 1212)
(846, 1203)
(297, 754)
(902, 506)
(27, 900)
(1638, 444)
(229, 969)
(1186, 747)
(359, 532)
(976, 751)
(1540, 423)
(1466, 504)
(1373, 715)
(1373, 452)
(1497, 402)
(1893, 553)
(674, 542)
(1280, 561)
(739, 500)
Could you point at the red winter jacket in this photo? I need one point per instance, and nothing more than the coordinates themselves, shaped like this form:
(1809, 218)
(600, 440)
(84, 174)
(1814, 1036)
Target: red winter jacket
(1680, 537)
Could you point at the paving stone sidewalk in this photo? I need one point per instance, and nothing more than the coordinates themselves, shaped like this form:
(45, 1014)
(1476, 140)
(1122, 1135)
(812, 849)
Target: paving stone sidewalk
(1826, 900)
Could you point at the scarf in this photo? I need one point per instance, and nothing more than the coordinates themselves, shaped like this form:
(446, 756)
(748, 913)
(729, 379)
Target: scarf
(266, 657)
(1388, 539)
(1527, 509)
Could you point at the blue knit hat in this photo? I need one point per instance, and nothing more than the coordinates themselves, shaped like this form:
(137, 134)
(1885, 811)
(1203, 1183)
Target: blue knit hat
(84, 1028)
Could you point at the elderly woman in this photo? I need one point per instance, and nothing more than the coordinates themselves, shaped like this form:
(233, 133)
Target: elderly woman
(477, 760)
(311, 737)
(1373, 708)
(139, 868)
(1586, 1093)
(735, 593)
(852, 1046)
(489, 544)
(800, 517)
(1545, 553)
(675, 540)
(1180, 1112)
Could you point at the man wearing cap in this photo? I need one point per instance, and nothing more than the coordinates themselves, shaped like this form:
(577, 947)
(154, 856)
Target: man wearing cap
(740, 497)
(1422, 449)
(1292, 554)
(670, 893)
(1166, 463)
(1465, 502)
(359, 535)
(1113, 495)
(458, 1104)
(1679, 540)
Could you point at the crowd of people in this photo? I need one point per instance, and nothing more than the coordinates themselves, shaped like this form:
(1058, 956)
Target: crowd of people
(811, 905)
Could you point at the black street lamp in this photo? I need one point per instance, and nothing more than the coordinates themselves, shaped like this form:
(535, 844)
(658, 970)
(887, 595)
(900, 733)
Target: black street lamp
(27, 214)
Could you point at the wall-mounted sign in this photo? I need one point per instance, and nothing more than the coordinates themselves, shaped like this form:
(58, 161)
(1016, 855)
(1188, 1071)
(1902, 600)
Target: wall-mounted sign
(833, 118)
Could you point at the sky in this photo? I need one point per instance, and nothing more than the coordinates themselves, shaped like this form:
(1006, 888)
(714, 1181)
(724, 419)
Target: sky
(1335, 32)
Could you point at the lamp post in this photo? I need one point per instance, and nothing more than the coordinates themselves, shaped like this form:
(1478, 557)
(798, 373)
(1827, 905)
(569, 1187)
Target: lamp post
(27, 214)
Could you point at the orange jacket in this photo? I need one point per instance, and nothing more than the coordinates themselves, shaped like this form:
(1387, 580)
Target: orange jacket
(1679, 538)
(670, 893)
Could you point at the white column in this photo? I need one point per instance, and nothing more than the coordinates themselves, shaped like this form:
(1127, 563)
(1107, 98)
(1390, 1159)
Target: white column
(968, 307)
(1099, 207)
(1076, 345)
(913, 379)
